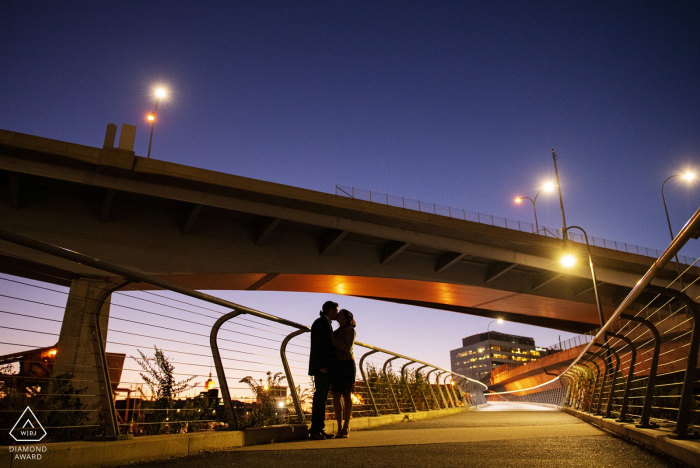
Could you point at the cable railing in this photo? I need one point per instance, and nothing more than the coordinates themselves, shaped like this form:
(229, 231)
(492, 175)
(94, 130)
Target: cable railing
(641, 367)
(122, 354)
(482, 218)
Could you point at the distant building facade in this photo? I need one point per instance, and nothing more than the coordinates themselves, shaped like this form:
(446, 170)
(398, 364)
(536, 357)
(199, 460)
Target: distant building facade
(483, 352)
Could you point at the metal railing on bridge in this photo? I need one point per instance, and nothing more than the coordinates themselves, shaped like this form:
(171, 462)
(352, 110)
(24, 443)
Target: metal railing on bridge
(642, 365)
(146, 361)
(482, 218)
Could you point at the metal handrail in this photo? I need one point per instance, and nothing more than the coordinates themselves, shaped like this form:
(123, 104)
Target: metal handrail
(689, 230)
(132, 276)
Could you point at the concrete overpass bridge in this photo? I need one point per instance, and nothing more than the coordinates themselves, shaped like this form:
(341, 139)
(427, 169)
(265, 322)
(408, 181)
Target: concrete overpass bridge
(207, 230)
(641, 367)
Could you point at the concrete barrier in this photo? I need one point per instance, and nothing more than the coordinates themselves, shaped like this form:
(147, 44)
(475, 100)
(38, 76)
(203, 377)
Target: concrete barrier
(104, 454)
(687, 451)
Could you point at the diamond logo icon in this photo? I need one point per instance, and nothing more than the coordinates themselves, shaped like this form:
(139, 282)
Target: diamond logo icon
(28, 428)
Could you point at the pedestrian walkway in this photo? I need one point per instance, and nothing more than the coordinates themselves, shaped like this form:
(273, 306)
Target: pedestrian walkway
(500, 434)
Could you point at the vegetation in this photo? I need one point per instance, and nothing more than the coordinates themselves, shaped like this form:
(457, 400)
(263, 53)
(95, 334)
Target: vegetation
(266, 415)
(57, 406)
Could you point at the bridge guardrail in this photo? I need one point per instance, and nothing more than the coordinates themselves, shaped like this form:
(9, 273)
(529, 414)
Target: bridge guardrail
(642, 365)
(483, 218)
(186, 324)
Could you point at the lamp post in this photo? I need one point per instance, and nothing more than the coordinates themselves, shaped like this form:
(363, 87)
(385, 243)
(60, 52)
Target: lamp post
(561, 200)
(547, 188)
(688, 176)
(570, 260)
(160, 93)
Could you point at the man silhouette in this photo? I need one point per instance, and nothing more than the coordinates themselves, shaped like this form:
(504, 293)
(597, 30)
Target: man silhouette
(321, 359)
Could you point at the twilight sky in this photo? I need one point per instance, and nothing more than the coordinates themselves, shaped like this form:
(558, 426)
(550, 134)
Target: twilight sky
(458, 103)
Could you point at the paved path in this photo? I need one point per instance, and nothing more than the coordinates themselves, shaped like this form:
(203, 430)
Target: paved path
(499, 435)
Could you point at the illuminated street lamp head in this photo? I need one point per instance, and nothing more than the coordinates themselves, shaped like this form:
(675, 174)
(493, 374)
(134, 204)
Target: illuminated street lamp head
(500, 320)
(151, 117)
(688, 176)
(548, 187)
(160, 93)
(518, 199)
(568, 260)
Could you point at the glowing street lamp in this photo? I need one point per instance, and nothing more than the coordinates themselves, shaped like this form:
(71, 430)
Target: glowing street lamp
(569, 260)
(548, 187)
(159, 94)
(688, 176)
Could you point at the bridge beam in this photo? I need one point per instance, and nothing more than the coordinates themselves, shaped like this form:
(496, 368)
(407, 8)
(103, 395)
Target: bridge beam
(332, 241)
(192, 217)
(448, 260)
(393, 251)
(498, 270)
(267, 231)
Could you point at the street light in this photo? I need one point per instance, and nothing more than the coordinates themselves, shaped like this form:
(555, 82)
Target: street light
(569, 260)
(159, 93)
(561, 200)
(688, 176)
(548, 187)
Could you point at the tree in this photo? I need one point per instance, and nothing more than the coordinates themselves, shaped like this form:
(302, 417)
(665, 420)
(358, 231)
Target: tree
(261, 390)
(159, 375)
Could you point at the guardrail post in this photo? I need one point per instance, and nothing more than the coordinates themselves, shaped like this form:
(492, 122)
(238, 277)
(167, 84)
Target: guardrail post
(691, 374)
(364, 377)
(106, 396)
(408, 389)
(454, 392)
(597, 378)
(288, 373)
(442, 395)
(630, 376)
(447, 392)
(432, 390)
(391, 387)
(229, 413)
(612, 380)
(649, 394)
(422, 390)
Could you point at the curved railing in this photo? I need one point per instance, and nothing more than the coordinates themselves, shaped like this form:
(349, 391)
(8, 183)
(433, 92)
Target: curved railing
(411, 391)
(642, 365)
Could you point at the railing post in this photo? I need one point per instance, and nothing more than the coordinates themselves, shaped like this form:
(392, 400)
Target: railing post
(391, 387)
(691, 374)
(597, 379)
(448, 393)
(229, 413)
(608, 409)
(288, 373)
(442, 395)
(364, 377)
(649, 394)
(432, 390)
(422, 390)
(630, 375)
(408, 389)
(454, 392)
(106, 396)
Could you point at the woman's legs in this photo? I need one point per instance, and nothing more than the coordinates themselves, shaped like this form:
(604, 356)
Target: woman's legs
(338, 409)
(347, 410)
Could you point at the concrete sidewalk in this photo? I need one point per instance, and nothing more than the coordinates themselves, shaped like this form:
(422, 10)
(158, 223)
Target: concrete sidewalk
(535, 438)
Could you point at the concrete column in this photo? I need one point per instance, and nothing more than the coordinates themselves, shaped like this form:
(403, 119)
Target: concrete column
(76, 348)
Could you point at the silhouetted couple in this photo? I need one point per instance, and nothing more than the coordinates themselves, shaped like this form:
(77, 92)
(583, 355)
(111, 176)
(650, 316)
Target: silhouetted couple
(332, 365)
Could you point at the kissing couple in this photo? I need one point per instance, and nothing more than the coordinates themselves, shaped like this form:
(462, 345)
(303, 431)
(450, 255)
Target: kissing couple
(332, 365)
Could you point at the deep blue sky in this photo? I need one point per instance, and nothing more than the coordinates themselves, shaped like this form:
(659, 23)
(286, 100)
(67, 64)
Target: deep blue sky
(458, 103)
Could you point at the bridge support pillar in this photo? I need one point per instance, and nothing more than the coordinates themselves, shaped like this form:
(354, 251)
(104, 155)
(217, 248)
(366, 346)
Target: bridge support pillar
(77, 351)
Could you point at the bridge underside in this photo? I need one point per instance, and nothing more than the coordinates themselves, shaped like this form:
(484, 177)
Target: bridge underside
(213, 231)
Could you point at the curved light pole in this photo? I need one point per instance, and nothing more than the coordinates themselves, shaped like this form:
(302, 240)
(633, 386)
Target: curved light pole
(688, 176)
(160, 93)
(547, 188)
(569, 260)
